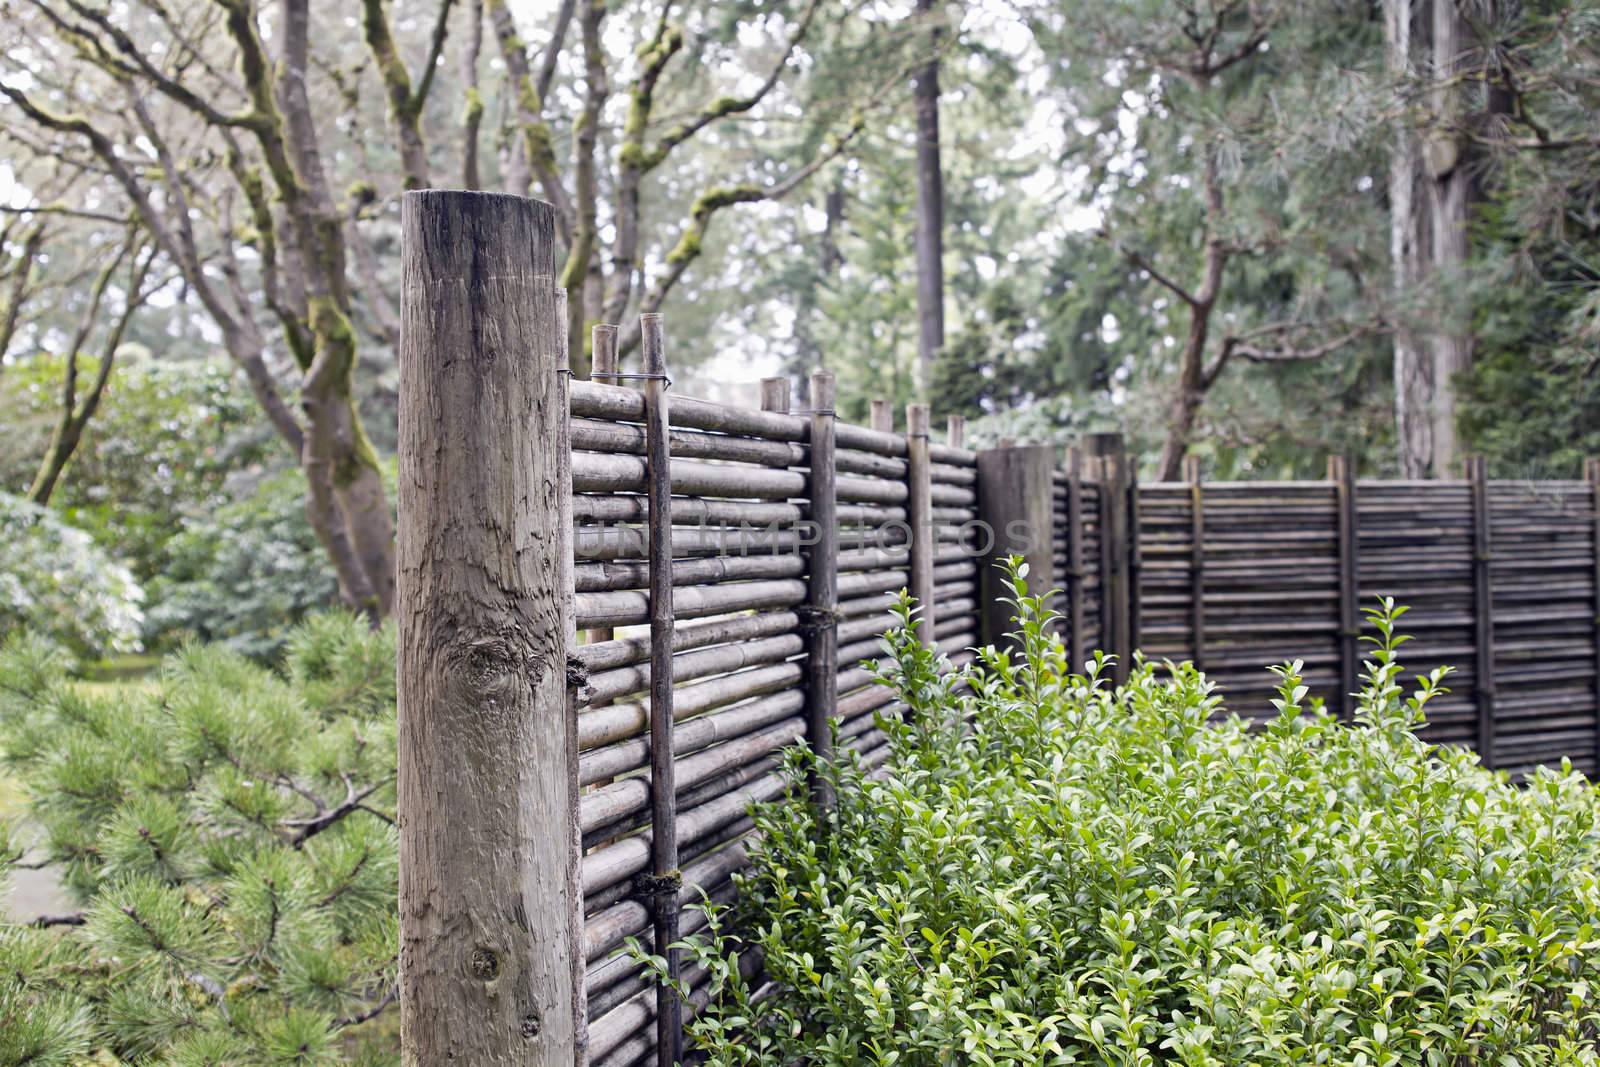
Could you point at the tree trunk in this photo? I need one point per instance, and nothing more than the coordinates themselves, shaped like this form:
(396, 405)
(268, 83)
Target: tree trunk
(1450, 190)
(1187, 397)
(930, 204)
(1430, 193)
(1410, 247)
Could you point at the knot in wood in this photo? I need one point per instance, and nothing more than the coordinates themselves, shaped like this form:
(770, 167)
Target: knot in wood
(484, 964)
(577, 673)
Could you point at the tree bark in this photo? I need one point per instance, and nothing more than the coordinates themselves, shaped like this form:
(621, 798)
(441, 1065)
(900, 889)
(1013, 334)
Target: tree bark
(472, 114)
(1410, 248)
(17, 289)
(74, 418)
(1450, 192)
(580, 257)
(1430, 53)
(930, 204)
(490, 891)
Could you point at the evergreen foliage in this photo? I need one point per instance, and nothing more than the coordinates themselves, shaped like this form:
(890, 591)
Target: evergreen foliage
(1055, 871)
(230, 838)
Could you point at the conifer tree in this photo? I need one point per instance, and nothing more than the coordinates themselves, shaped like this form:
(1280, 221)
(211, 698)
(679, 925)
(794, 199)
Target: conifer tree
(228, 836)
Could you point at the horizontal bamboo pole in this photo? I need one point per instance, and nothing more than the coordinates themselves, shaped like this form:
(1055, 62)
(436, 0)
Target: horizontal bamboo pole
(686, 511)
(596, 473)
(700, 663)
(623, 652)
(593, 400)
(609, 577)
(632, 607)
(618, 722)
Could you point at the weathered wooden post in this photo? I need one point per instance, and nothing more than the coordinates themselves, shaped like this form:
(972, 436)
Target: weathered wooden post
(1016, 502)
(490, 897)
(919, 516)
(665, 880)
(1342, 473)
(1197, 557)
(1482, 607)
(1111, 452)
(955, 431)
(775, 394)
(822, 582)
(882, 417)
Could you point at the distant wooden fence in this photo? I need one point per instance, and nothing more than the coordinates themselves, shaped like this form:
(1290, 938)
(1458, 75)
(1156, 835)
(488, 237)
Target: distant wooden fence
(729, 570)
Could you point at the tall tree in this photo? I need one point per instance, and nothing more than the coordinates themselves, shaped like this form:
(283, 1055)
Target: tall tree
(1429, 47)
(930, 200)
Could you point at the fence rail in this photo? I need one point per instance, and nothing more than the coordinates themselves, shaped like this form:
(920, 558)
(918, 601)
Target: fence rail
(730, 569)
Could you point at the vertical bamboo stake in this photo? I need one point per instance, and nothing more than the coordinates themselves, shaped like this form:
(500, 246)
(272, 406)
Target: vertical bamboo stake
(1197, 557)
(568, 587)
(775, 394)
(490, 951)
(1135, 561)
(822, 585)
(1591, 472)
(603, 340)
(603, 368)
(1592, 475)
(919, 514)
(1342, 472)
(1095, 468)
(882, 418)
(1483, 607)
(956, 431)
(665, 879)
(1074, 576)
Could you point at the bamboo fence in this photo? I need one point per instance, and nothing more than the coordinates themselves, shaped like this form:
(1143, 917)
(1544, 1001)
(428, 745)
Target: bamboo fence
(722, 574)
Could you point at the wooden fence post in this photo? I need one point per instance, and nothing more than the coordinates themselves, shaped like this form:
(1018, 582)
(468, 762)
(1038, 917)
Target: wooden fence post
(1111, 451)
(919, 515)
(1591, 473)
(1482, 607)
(1342, 473)
(665, 880)
(1016, 501)
(1076, 654)
(956, 431)
(882, 417)
(491, 945)
(1197, 557)
(822, 584)
(775, 394)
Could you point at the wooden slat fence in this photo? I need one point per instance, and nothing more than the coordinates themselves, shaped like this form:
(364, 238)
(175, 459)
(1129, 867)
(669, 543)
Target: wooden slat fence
(729, 571)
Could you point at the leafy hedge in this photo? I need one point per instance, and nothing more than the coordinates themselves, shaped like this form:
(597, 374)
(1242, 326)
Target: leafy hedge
(1056, 871)
(228, 837)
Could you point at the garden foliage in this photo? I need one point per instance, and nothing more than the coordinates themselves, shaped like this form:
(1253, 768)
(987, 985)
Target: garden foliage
(57, 584)
(1052, 870)
(229, 838)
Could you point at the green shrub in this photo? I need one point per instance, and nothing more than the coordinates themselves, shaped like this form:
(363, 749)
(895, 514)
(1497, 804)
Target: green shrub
(229, 839)
(57, 583)
(164, 440)
(245, 573)
(1056, 871)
